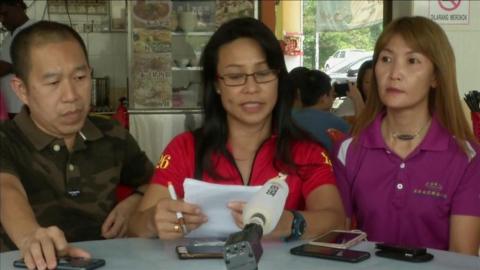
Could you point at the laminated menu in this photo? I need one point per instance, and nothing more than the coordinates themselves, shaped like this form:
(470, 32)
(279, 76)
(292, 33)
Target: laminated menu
(152, 80)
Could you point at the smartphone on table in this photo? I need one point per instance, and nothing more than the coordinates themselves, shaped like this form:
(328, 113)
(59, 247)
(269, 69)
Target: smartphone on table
(200, 252)
(404, 253)
(70, 263)
(341, 239)
(345, 255)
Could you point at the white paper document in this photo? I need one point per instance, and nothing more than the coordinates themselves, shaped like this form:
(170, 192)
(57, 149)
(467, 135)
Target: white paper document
(213, 200)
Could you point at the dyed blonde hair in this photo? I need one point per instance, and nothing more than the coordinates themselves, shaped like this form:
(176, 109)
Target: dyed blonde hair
(428, 38)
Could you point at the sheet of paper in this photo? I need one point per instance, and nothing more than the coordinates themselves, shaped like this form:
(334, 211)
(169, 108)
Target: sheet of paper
(213, 200)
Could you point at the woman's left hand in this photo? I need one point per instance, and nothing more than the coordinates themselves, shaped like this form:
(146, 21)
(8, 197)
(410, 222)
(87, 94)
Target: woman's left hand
(237, 212)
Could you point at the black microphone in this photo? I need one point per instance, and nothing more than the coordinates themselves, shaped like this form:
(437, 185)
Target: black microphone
(261, 214)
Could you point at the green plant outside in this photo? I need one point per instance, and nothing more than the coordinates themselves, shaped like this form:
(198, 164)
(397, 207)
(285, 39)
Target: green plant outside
(330, 42)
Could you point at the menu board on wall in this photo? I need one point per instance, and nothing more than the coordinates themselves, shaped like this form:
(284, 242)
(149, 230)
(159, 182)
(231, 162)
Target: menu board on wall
(151, 54)
(230, 9)
(166, 41)
(151, 14)
(152, 80)
(151, 41)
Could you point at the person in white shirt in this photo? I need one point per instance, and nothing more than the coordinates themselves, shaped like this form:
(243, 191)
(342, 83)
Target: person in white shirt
(14, 18)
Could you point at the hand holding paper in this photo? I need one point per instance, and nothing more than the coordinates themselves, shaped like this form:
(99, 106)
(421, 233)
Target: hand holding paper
(213, 200)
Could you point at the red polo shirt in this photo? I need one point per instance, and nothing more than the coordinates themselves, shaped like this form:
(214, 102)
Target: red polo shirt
(313, 166)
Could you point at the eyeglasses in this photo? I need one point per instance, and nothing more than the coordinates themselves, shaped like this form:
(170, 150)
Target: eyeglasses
(238, 79)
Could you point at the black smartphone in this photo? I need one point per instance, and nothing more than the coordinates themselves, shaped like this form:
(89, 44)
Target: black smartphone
(70, 263)
(200, 252)
(345, 255)
(412, 251)
(341, 89)
(404, 253)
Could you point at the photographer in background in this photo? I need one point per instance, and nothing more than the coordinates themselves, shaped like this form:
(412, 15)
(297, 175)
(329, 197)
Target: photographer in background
(351, 104)
(14, 18)
(317, 96)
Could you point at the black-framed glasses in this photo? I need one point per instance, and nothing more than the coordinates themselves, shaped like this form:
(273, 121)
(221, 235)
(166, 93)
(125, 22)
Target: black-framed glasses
(238, 79)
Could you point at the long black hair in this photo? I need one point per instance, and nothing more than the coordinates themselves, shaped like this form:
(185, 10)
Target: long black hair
(212, 137)
(361, 77)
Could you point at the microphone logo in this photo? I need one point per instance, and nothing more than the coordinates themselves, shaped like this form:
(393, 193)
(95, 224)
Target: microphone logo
(272, 190)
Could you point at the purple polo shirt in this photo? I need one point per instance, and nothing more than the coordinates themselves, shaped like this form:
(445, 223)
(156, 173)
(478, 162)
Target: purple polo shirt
(408, 201)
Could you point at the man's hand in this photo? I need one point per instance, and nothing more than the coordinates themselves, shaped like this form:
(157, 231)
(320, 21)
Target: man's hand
(116, 223)
(41, 247)
(353, 91)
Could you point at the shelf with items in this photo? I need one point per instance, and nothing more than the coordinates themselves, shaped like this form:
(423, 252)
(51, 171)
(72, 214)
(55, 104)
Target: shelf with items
(82, 7)
(177, 33)
(186, 68)
(86, 16)
(173, 34)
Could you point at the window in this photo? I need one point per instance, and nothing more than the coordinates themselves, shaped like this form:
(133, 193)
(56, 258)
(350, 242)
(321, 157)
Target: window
(340, 32)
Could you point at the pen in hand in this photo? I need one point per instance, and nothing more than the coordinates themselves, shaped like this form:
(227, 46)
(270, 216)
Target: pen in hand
(180, 218)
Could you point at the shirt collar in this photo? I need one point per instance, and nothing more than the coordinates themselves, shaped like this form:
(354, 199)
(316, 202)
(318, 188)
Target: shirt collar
(436, 139)
(40, 139)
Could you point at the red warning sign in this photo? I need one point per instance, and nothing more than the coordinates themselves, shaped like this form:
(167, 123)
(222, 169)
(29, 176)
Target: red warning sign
(449, 5)
(450, 11)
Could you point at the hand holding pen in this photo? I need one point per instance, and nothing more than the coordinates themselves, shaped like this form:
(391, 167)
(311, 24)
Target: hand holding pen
(180, 219)
(168, 213)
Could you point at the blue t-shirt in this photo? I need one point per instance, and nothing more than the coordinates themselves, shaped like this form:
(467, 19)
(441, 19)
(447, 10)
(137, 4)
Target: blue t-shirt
(317, 122)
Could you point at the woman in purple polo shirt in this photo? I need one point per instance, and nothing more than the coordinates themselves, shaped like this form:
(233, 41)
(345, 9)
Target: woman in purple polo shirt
(410, 173)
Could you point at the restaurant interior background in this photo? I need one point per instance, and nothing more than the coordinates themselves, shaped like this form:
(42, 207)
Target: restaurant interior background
(148, 51)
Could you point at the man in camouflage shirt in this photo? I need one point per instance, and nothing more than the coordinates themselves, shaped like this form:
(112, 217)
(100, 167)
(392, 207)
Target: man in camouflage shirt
(59, 168)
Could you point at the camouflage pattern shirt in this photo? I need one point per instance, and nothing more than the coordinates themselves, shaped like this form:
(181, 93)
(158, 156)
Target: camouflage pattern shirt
(72, 190)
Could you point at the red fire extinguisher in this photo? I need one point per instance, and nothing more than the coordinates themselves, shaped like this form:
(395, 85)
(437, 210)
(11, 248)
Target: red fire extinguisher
(121, 114)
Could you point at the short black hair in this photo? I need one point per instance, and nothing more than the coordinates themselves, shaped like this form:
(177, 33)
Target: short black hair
(37, 34)
(317, 84)
(13, 3)
(298, 76)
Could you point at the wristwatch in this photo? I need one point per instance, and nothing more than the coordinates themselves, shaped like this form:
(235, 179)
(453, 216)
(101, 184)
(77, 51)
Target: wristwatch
(298, 226)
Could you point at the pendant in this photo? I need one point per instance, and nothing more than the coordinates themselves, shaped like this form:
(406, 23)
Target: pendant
(405, 137)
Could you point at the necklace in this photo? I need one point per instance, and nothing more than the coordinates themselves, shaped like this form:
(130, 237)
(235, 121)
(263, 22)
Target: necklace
(409, 137)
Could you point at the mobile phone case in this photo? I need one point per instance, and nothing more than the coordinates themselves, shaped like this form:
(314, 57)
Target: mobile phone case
(183, 254)
(407, 250)
(404, 256)
(361, 236)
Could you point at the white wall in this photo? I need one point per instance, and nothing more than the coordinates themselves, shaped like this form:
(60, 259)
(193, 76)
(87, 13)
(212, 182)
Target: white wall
(465, 40)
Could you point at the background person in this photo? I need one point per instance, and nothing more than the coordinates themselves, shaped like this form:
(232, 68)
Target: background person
(298, 76)
(247, 138)
(14, 18)
(59, 169)
(317, 96)
(410, 174)
(364, 78)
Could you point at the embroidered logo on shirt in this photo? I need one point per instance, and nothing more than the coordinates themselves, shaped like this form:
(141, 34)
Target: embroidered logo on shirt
(164, 162)
(327, 159)
(431, 188)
